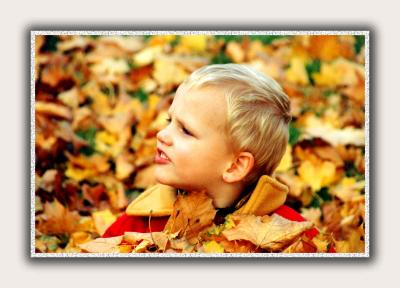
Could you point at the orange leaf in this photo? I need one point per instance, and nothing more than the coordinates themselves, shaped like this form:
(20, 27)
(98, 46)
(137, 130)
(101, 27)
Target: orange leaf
(192, 213)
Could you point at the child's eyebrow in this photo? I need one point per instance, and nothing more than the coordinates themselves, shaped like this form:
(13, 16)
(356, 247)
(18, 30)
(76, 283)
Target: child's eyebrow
(181, 122)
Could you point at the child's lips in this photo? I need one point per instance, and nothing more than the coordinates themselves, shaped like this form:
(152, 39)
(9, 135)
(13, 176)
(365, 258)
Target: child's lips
(161, 157)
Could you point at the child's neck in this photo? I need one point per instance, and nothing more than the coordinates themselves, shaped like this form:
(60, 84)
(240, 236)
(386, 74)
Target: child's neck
(225, 195)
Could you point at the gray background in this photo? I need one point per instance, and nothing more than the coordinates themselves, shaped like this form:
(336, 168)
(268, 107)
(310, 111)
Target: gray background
(18, 18)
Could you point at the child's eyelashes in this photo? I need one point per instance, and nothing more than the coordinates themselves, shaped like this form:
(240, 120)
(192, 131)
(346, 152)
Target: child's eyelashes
(187, 132)
(182, 128)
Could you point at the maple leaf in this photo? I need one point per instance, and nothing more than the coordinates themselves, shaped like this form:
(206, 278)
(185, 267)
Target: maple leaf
(317, 174)
(192, 213)
(271, 233)
(297, 73)
(57, 219)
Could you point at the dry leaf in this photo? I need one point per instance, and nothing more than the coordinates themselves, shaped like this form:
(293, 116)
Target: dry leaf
(53, 109)
(102, 220)
(57, 219)
(272, 233)
(317, 175)
(192, 213)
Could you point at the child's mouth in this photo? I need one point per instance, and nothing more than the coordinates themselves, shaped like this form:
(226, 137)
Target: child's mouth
(161, 157)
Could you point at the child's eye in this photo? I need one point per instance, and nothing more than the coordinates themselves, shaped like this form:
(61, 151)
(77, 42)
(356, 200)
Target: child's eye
(168, 119)
(186, 131)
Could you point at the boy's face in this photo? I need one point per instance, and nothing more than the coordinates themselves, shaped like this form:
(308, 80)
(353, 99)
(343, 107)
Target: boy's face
(194, 142)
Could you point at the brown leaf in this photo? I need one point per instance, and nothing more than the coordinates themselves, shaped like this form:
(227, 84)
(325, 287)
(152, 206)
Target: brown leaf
(57, 219)
(192, 214)
(272, 233)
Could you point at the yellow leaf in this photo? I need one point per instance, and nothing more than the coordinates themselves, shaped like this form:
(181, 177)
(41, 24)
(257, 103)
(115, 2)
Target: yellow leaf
(317, 174)
(297, 73)
(338, 72)
(106, 143)
(147, 55)
(124, 167)
(286, 162)
(194, 43)
(348, 189)
(167, 71)
(102, 220)
(100, 104)
(212, 247)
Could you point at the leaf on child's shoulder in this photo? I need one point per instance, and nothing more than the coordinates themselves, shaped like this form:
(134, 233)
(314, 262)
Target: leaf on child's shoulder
(192, 213)
(271, 233)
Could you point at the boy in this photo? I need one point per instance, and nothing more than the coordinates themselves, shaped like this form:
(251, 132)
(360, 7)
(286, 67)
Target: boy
(227, 132)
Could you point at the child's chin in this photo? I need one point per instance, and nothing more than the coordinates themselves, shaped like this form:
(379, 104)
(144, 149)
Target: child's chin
(162, 179)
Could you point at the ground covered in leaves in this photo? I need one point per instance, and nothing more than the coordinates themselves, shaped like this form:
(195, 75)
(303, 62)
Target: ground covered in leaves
(100, 100)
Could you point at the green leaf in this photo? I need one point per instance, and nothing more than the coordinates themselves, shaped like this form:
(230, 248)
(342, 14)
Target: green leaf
(50, 43)
(352, 171)
(131, 194)
(229, 38)
(139, 94)
(312, 67)
(360, 42)
(267, 39)
(221, 58)
(320, 197)
(324, 194)
(328, 93)
(89, 136)
(294, 134)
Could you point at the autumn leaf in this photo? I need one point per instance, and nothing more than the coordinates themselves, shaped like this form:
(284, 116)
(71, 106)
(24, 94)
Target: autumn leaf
(213, 247)
(301, 245)
(317, 174)
(57, 219)
(102, 220)
(160, 239)
(192, 213)
(272, 233)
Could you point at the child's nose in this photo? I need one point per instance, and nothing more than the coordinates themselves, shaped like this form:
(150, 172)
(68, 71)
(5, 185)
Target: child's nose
(164, 137)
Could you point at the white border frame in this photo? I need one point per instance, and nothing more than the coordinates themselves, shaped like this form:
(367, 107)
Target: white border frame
(201, 255)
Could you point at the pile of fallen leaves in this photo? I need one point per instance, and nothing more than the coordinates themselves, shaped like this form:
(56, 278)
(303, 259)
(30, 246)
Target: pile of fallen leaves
(191, 229)
(100, 100)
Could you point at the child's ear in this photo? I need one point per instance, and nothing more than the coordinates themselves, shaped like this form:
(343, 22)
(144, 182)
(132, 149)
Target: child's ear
(240, 168)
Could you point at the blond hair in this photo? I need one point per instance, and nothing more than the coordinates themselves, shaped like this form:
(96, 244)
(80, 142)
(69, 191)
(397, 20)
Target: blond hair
(258, 112)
